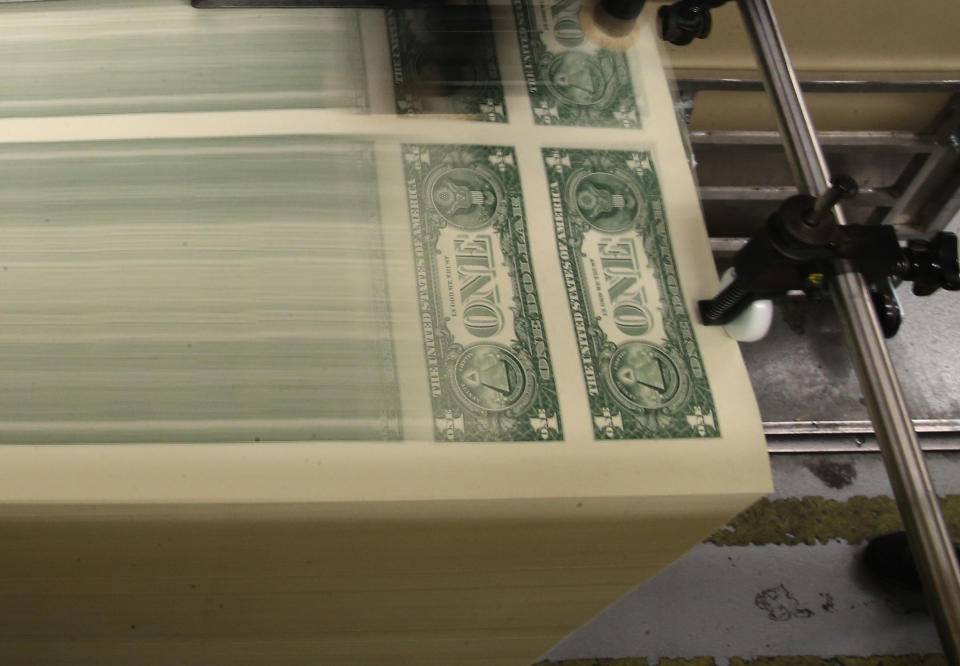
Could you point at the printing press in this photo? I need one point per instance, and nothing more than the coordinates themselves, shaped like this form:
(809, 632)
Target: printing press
(355, 331)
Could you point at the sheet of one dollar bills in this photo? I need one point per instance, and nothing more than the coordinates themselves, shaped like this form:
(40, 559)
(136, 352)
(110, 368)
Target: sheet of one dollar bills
(477, 270)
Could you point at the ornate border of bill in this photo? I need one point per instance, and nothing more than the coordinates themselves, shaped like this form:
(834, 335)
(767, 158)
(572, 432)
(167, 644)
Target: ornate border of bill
(485, 345)
(642, 366)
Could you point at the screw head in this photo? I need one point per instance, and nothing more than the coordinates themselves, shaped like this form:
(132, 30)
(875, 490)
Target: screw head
(954, 141)
(845, 186)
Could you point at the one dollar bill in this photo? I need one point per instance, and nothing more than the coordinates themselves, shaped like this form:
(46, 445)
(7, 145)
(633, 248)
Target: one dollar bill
(488, 365)
(644, 374)
(444, 62)
(571, 81)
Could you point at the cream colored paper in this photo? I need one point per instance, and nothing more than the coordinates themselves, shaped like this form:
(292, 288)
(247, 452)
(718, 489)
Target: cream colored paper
(418, 468)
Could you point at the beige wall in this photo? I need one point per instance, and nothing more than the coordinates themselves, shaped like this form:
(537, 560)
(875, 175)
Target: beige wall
(827, 35)
(862, 35)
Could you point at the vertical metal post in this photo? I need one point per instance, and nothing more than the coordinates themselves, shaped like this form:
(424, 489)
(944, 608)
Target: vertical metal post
(927, 533)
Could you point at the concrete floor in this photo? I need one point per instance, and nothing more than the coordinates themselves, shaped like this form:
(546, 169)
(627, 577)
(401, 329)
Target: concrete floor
(769, 599)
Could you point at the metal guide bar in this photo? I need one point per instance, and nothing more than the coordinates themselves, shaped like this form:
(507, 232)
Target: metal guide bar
(816, 444)
(909, 142)
(879, 81)
(927, 532)
(867, 196)
(929, 196)
(918, 170)
(911, 179)
(780, 428)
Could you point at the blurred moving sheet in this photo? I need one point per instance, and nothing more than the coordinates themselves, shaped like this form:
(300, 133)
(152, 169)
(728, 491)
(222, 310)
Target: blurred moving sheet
(130, 56)
(171, 275)
(447, 297)
(195, 290)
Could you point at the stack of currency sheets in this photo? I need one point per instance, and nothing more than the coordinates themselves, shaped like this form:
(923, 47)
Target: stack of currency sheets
(347, 336)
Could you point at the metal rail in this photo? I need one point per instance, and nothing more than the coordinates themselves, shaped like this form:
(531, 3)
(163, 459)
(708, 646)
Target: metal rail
(689, 79)
(792, 428)
(848, 445)
(927, 532)
(867, 196)
(907, 142)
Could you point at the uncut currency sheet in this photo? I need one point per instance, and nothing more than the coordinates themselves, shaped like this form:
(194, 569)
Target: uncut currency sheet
(507, 264)
(591, 136)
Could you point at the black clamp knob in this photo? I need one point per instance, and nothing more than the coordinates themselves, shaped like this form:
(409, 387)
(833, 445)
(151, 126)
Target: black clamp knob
(678, 23)
(933, 264)
(802, 240)
(686, 20)
(624, 10)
